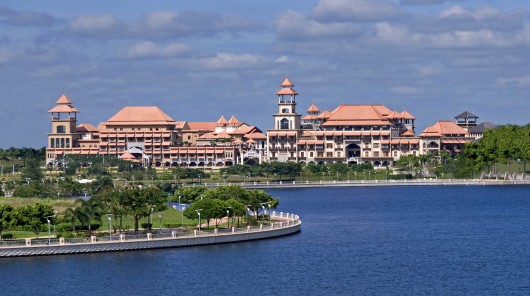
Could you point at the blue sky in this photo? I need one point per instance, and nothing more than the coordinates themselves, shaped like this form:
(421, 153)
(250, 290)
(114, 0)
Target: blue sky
(198, 60)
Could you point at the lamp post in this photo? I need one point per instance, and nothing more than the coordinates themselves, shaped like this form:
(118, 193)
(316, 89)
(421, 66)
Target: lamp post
(150, 226)
(263, 212)
(48, 218)
(228, 217)
(109, 216)
(199, 213)
(199, 179)
(269, 206)
(301, 177)
(248, 215)
(160, 220)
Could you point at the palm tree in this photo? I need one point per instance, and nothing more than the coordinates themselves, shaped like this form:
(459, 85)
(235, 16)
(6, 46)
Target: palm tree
(91, 210)
(75, 214)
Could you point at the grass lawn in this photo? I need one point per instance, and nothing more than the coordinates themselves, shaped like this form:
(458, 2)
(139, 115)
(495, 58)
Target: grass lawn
(58, 204)
(169, 216)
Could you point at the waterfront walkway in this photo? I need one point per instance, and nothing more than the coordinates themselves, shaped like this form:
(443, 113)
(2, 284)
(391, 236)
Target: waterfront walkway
(281, 224)
(370, 183)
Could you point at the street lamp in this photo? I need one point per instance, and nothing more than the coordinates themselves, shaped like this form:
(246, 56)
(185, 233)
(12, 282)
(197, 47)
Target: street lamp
(228, 217)
(199, 179)
(302, 177)
(160, 218)
(199, 213)
(109, 216)
(248, 215)
(263, 211)
(150, 226)
(269, 206)
(48, 218)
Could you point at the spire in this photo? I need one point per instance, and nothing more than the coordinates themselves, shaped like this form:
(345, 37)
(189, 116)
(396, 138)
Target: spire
(287, 83)
(313, 109)
(63, 100)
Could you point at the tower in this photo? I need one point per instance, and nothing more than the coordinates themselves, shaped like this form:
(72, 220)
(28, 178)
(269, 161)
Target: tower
(282, 139)
(63, 137)
(287, 118)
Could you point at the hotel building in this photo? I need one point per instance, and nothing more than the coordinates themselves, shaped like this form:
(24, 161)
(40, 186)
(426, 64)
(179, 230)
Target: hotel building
(350, 133)
(150, 136)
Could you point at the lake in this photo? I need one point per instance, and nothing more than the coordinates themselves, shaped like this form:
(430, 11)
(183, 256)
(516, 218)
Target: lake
(446, 240)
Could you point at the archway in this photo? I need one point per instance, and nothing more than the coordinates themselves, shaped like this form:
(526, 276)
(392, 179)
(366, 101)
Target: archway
(353, 150)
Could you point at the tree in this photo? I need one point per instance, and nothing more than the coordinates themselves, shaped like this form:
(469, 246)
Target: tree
(189, 194)
(32, 171)
(33, 217)
(6, 218)
(209, 208)
(75, 214)
(91, 211)
(141, 201)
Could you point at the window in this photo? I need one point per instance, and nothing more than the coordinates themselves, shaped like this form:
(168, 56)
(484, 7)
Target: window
(61, 129)
(67, 142)
(284, 124)
(52, 143)
(285, 110)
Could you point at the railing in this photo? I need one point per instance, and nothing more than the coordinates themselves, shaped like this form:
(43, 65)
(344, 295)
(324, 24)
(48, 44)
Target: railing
(282, 220)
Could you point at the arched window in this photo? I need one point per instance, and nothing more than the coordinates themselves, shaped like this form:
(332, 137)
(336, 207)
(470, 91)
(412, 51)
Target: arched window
(61, 129)
(284, 124)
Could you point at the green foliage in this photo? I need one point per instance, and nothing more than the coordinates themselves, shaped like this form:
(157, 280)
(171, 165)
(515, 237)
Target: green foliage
(32, 171)
(188, 194)
(499, 145)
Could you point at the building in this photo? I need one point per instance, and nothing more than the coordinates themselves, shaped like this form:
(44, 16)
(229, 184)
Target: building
(443, 136)
(348, 134)
(148, 135)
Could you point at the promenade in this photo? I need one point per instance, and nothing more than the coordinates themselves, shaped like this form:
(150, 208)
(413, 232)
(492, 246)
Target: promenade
(371, 183)
(281, 224)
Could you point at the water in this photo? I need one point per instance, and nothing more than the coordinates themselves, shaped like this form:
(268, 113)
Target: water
(465, 240)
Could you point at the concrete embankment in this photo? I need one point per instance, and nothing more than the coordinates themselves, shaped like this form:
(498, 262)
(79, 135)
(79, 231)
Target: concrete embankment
(283, 224)
(371, 183)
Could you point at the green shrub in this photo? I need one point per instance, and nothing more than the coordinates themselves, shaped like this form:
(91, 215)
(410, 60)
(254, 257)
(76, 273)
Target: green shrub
(8, 236)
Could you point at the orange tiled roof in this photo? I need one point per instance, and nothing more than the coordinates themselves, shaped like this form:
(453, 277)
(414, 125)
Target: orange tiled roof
(180, 124)
(210, 126)
(63, 100)
(221, 120)
(443, 128)
(86, 127)
(287, 83)
(135, 114)
(324, 115)
(286, 91)
(407, 115)
(313, 108)
(394, 115)
(63, 109)
(256, 135)
(408, 133)
(233, 121)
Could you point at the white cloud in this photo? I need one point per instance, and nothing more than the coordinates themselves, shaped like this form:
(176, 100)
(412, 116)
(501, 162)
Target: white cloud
(515, 81)
(282, 59)
(5, 54)
(430, 70)
(159, 19)
(453, 10)
(294, 26)
(404, 90)
(89, 23)
(355, 10)
(147, 49)
(223, 60)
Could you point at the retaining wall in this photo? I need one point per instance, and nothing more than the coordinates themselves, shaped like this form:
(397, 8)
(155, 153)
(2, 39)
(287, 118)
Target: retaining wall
(288, 225)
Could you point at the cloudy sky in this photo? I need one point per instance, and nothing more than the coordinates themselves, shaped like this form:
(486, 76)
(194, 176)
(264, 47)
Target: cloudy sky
(198, 60)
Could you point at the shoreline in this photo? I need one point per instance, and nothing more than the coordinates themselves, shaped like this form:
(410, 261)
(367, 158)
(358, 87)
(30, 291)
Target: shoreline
(372, 183)
(283, 224)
